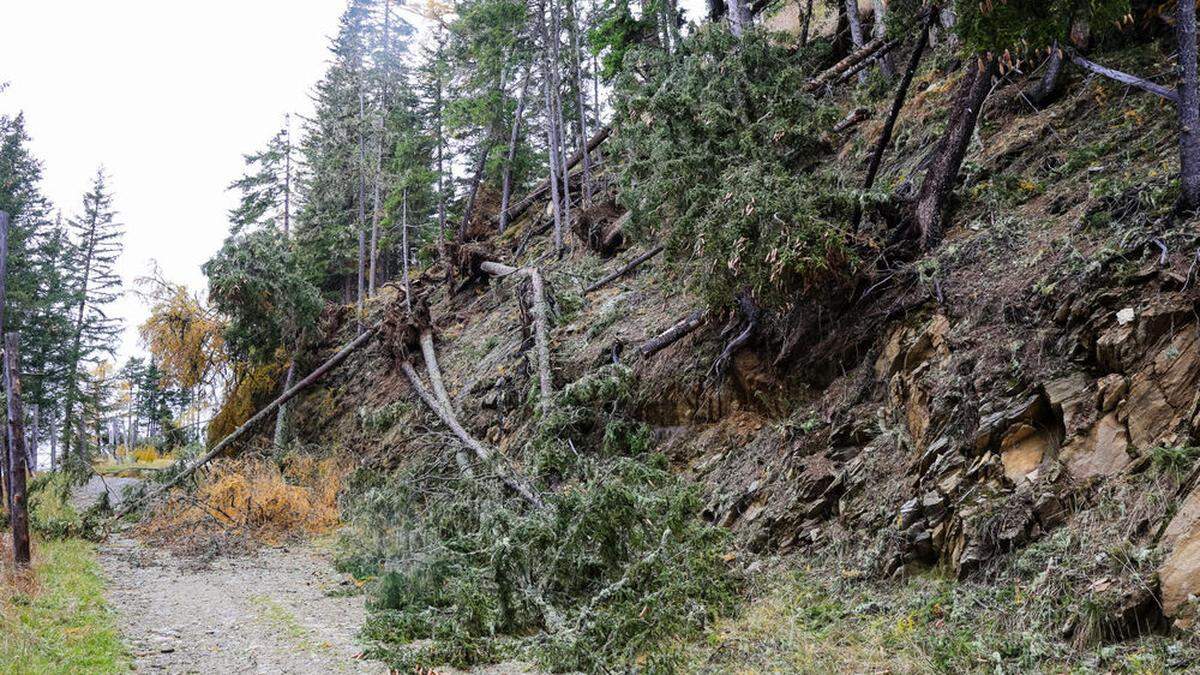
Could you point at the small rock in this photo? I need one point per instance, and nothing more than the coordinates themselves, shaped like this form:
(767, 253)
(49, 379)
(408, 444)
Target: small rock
(1126, 316)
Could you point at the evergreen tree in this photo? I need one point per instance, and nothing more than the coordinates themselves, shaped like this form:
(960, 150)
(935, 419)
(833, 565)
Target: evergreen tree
(96, 244)
(266, 189)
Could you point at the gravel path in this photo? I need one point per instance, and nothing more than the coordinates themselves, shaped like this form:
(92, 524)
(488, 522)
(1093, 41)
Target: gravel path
(266, 613)
(85, 496)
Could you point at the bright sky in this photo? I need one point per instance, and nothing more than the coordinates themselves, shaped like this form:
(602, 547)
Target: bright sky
(167, 96)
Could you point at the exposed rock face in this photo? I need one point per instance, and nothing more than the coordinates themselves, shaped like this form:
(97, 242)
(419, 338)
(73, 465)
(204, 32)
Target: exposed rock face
(1103, 451)
(1179, 575)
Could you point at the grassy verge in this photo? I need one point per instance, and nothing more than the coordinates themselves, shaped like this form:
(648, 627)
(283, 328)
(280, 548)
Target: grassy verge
(55, 620)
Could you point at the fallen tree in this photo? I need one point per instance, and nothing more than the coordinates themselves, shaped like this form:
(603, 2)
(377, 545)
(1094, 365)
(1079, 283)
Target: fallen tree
(249, 424)
(1124, 78)
(543, 187)
(674, 334)
(633, 264)
(541, 324)
(869, 50)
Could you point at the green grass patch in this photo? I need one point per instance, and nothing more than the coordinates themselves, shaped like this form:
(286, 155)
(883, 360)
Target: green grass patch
(58, 621)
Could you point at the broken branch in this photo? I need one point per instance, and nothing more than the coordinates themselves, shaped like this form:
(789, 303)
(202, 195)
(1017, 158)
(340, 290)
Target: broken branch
(633, 264)
(673, 334)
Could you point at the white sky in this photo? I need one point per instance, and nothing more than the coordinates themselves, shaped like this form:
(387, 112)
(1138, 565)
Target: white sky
(167, 96)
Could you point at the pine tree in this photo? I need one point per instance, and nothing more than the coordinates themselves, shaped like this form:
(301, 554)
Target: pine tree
(266, 189)
(96, 244)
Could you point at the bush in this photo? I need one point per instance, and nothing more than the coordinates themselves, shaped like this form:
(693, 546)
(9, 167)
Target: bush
(720, 150)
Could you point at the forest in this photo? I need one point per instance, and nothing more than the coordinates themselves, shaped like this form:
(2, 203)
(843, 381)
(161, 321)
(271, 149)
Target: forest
(610, 336)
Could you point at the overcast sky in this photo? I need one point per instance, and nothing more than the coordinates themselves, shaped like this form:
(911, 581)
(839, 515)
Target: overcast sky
(167, 96)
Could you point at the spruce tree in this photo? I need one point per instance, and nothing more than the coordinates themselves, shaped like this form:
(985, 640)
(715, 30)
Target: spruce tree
(96, 245)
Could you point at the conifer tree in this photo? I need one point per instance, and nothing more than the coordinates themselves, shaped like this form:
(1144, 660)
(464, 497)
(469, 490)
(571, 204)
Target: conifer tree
(265, 190)
(96, 244)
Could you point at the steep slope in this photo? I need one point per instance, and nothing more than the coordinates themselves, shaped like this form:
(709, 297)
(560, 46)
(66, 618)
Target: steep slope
(1016, 410)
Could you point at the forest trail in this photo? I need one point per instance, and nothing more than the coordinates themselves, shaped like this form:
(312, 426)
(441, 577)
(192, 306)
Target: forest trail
(269, 612)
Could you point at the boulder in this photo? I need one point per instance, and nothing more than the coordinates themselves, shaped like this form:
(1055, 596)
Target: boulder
(1022, 451)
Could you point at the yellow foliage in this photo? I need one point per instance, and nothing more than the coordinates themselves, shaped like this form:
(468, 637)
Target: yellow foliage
(255, 387)
(257, 499)
(146, 454)
(185, 337)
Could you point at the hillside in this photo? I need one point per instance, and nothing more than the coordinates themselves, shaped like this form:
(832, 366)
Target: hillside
(1014, 411)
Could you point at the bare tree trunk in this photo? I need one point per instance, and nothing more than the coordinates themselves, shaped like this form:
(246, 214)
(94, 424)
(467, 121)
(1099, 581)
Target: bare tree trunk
(581, 102)
(541, 323)
(942, 173)
(281, 417)
(1124, 78)
(1050, 82)
(885, 136)
(551, 125)
(560, 121)
(34, 436)
(886, 65)
(374, 248)
(511, 156)
(18, 510)
(514, 481)
(739, 16)
(53, 444)
(5, 464)
(633, 264)
(362, 206)
(674, 334)
(1189, 106)
(543, 187)
(856, 32)
(868, 50)
(404, 250)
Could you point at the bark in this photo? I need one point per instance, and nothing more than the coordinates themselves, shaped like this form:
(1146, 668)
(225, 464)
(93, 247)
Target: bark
(374, 247)
(580, 102)
(889, 127)
(855, 118)
(633, 264)
(1189, 106)
(948, 158)
(861, 67)
(886, 65)
(5, 473)
(362, 204)
(539, 191)
(281, 421)
(18, 511)
(34, 436)
(868, 50)
(514, 481)
(1049, 84)
(1124, 78)
(856, 32)
(439, 389)
(511, 156)
(739, 16)
(673, 334)
(541, 324)
(405, 252)
(258, 417)
(551, 118)
(807, 24)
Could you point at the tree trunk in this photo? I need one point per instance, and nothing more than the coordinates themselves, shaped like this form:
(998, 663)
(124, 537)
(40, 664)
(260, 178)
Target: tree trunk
(362, 202)
(887, 65)
(1124, 78)
(541, 323)
(633, 264)
(511, 156)
(856, 32)
(5, 443)
(258, 417)
(868, 50)
(404, 250)
(18, 511)
(551, 126)
(541, 188)
(34, 437)
(673, 334)
(739, 16)
(281, 417)
(580, 102)
(943, 171)
(514, 482)
(885, 136)
(1048, 85)
(807, 24)
(1189, 106)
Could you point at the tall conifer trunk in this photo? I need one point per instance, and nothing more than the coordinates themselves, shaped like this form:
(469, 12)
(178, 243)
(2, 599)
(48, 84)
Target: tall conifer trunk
(948, 157)
(1189, 106)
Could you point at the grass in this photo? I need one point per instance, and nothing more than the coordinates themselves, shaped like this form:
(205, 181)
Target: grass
(281, 619)
(134, 469)
(56, 619)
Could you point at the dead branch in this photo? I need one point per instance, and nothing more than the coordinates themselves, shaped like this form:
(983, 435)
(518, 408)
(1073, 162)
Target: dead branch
(673, 334)
(1124, 78)
(633, 264)
(541, 326)
(286, 396)
(866, 63)
(508, 476)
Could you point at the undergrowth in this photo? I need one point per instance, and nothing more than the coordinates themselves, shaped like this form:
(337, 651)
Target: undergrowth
(610, 575)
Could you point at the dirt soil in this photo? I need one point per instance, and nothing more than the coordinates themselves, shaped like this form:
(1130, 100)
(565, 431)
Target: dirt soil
(271, 612)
